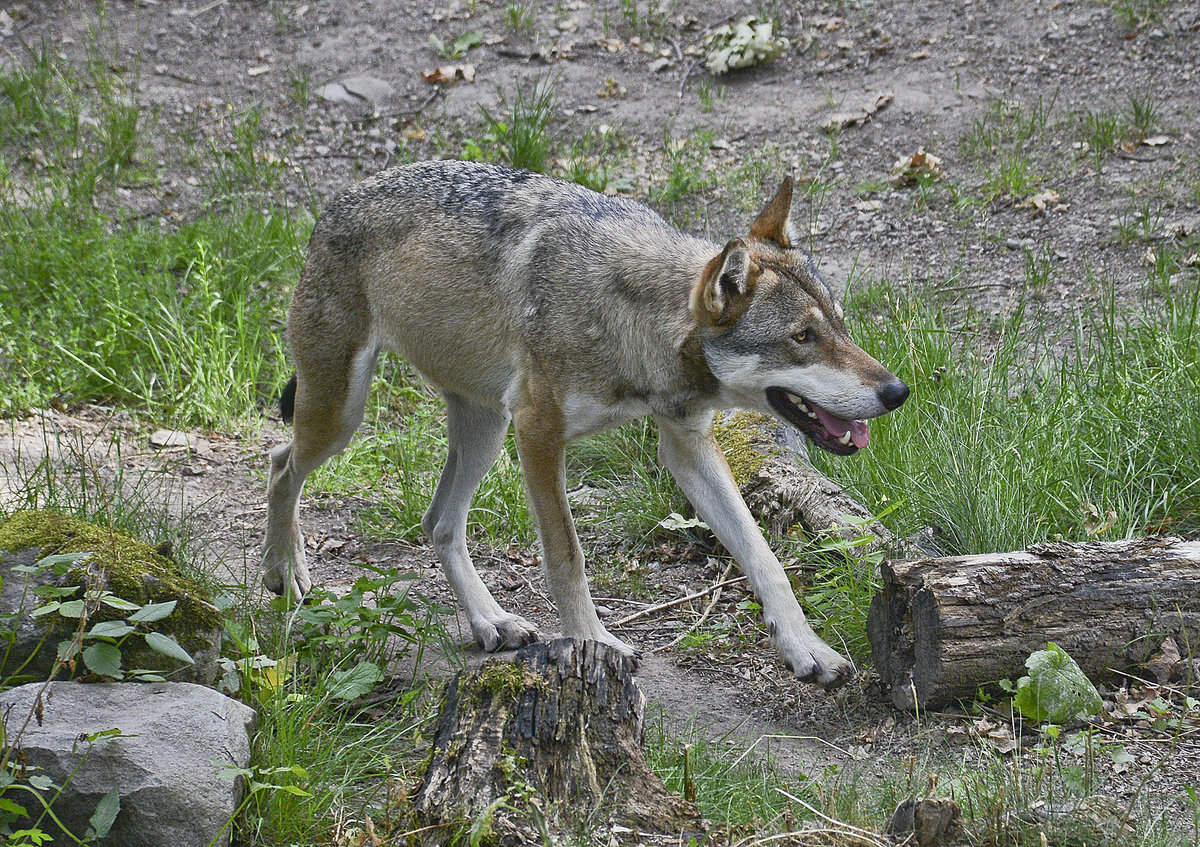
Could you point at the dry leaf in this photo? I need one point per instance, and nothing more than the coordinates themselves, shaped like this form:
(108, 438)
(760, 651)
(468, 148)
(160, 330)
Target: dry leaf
(1038, 203)
(258, 70)
(912, 169)
(449, 74)
(612, 45)
(1156, 140)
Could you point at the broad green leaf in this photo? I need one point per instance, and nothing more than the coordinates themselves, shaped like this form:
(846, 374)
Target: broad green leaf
(678, 521)
(115, 602)
(53, 606)
(58, 560)
(1056, 690)
(56, 590)
(109, 629)
(106, 812)
(71, 609)
(9, 807)
(153, 612)
(355, 682)
(167, 645)
(104, 659)
(467, 40)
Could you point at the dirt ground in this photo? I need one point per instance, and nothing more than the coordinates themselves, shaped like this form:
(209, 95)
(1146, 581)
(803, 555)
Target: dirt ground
(944, 64)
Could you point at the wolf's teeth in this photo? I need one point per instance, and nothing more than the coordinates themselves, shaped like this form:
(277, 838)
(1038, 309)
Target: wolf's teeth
(811, 413)
(845, 439)
(804, 407)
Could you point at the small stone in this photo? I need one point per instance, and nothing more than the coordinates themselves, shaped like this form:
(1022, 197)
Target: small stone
(335, 93)
(369, 88)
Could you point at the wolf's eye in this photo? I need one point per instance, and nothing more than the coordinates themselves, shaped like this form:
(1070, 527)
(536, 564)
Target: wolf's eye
(801, 336)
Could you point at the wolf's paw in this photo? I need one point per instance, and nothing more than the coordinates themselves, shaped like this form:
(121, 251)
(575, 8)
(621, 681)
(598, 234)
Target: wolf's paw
(812, 660)
(617, 644)
(503, 632)
(289, 578)
(597, 632)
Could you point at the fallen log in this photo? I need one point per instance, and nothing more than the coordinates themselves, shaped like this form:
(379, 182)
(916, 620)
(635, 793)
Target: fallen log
(549, 740)
(770, 464)
(942, 628)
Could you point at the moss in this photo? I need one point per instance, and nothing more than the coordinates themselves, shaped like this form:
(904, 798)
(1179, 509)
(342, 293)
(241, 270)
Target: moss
(501, 679)
(130, 568)
(744, 454)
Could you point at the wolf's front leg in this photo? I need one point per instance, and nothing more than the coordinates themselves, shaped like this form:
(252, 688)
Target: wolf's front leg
(541, 443)
(699, 467)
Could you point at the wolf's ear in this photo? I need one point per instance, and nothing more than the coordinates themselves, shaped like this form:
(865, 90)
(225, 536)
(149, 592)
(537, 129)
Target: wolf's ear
(775, 222)
(725, 288)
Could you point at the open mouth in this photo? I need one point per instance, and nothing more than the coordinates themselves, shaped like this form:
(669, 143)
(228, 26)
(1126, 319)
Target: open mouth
(827, 430)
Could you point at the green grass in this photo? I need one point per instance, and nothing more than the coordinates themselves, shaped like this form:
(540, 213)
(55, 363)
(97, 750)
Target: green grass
(100, 306)
(1002, 143)
(1015, 433)
(737, 792)
(182, 325)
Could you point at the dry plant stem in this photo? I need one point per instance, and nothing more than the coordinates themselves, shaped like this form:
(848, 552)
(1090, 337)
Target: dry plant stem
(842, 828)
(77, 640)
(828, 744)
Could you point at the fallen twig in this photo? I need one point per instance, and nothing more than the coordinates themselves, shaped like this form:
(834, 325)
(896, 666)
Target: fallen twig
(716, 596)
(679, 601)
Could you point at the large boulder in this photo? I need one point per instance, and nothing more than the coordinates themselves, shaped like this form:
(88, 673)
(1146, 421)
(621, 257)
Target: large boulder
(175, 739)
(120, 563)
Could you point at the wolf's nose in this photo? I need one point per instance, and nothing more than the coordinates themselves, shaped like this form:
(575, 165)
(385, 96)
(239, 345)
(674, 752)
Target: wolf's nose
(893, 394)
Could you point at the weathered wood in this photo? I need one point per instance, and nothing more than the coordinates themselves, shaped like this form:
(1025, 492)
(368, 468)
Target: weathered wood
(558, 729)
(941, 628)
(770, 464)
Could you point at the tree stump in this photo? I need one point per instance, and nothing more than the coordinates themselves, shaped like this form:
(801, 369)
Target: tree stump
(941, 628)
(769, 461)
(554, 735)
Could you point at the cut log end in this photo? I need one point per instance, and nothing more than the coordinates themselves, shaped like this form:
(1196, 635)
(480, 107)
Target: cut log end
(554, 735)
(940, 629)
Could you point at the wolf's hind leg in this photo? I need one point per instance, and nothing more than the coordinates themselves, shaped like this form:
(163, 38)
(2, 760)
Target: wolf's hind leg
(475, 434)
(328, 408)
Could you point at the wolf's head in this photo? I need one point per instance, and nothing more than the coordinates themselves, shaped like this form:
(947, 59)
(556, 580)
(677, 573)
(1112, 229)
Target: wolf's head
(775, 338)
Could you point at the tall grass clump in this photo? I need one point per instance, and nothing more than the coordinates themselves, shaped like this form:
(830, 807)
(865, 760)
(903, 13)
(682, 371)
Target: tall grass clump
(180, 323)
(1017, 434)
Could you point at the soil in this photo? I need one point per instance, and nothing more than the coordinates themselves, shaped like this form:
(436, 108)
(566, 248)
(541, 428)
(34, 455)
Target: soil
(945, 64)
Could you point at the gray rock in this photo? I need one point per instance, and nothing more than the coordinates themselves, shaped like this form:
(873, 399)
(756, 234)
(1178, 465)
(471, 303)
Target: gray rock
(369, 88)
(335, 92)
(33, 649)
(170, 790)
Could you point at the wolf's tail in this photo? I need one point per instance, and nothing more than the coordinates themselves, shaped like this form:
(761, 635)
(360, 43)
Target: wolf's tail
(287, 400)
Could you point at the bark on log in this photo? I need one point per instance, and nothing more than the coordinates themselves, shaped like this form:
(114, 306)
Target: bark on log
(559, 729)
(941, 628)
(770, 464)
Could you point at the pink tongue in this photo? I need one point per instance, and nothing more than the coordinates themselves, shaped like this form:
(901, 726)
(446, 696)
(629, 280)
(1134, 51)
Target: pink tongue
(838, 427)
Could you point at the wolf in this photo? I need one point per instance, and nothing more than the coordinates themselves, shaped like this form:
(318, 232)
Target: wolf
(533, 301)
